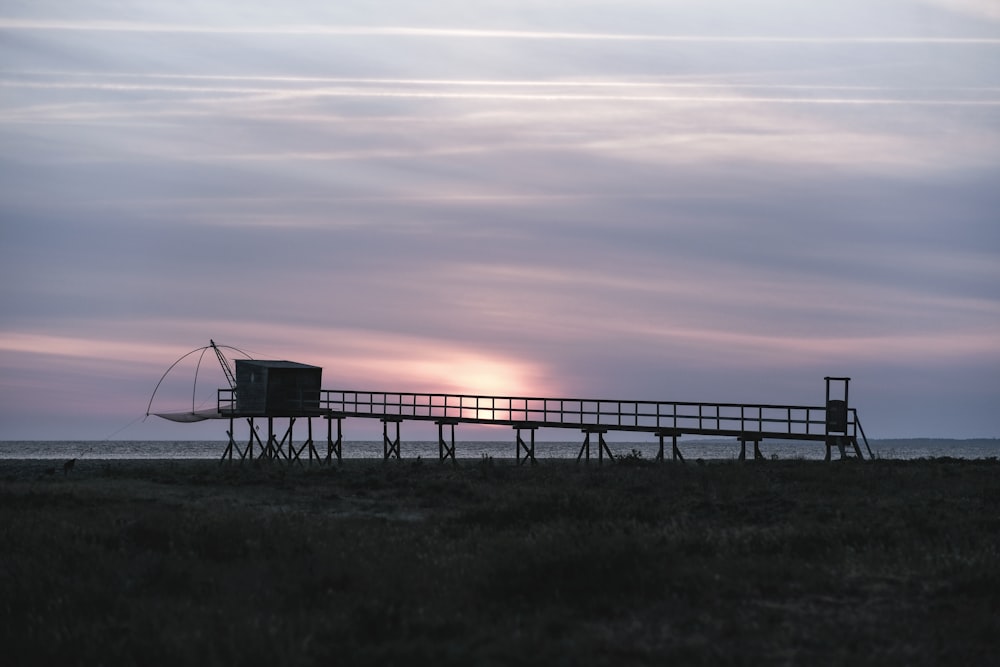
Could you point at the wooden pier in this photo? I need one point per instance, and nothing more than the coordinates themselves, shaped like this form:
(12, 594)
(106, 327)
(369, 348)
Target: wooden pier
(287, 390)
(834, 424)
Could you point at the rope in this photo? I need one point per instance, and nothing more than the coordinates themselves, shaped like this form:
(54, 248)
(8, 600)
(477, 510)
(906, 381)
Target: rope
(107, 438)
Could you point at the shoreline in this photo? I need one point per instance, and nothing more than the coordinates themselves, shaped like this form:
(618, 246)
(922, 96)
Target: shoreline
(427, 451)
(91, 466)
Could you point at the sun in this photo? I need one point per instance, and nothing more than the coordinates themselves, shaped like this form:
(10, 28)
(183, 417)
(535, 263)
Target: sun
(472, 377)
(490, 379)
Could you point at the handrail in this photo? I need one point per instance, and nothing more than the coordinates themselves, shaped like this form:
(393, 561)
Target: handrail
(652, 416)
(225, 404)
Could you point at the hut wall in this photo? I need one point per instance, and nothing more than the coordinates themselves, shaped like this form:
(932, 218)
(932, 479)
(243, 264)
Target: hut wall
(277, 388)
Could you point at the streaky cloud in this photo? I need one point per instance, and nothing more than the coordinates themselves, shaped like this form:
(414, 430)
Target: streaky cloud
(679, 83)
(273, 93)
(988, 9)
(470, 33)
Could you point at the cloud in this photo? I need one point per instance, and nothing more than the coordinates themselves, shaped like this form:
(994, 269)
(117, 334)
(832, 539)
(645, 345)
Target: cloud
(292, 88)
(519, 119)
(359, 360)
(318, 93)
(464, 33)
(986, 9)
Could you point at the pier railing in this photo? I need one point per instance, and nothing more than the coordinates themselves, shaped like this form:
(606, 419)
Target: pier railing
(737, 419)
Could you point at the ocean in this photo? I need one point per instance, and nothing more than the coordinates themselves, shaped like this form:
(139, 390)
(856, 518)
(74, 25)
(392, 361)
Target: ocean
(708, 449)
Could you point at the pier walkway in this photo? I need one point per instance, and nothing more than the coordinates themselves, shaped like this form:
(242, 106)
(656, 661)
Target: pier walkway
(833, 424)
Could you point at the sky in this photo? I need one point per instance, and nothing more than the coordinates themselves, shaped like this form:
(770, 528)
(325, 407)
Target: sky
(717, 201)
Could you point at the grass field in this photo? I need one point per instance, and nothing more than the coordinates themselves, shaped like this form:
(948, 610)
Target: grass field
(782, 562)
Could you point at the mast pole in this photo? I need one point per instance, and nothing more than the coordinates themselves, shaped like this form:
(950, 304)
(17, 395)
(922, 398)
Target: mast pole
(225, 365)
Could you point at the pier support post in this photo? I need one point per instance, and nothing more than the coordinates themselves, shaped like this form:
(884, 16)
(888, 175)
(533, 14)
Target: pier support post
(248, 451)
(445, 450)
(306, 446)
(744, 439)
(309, 442)
(841, 442)
(529, 450)
(276, 448)
(270, 451)
(390, 447)
(229, 447)
(290, 453)
(273, 448)
(254, 436)
(602, 446)
(675, 450)
(831, 441)
(334, 447)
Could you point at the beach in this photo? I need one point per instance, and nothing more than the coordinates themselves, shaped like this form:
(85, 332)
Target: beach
(484, 562)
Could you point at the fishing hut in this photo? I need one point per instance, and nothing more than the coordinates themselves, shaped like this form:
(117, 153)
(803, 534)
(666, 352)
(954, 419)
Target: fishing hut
(272, 392)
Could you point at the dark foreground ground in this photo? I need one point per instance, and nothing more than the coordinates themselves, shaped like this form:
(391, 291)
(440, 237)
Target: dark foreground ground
(168, 563)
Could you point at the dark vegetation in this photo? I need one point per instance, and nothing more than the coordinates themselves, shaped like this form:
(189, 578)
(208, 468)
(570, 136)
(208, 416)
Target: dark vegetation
(782, 562)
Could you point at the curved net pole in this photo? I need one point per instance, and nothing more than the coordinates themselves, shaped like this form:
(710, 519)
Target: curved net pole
(149, 406)
(235, 349)
(162, 377)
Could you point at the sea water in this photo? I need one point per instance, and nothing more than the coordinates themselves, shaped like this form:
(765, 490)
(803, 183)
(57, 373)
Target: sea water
(691, 449)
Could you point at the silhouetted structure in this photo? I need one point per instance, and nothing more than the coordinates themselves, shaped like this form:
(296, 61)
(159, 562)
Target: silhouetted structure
(835, 424)
(290, 390)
